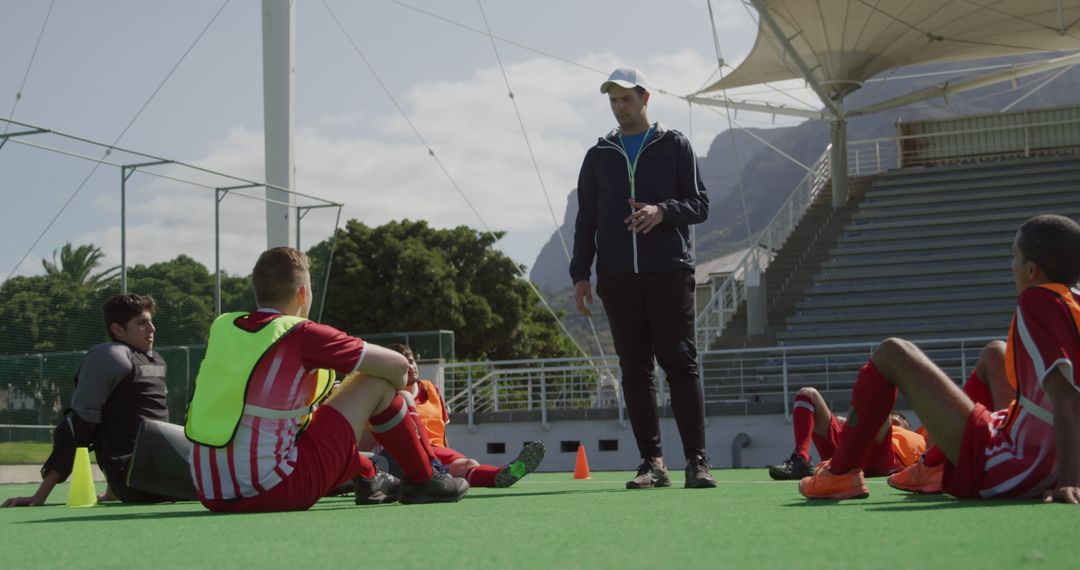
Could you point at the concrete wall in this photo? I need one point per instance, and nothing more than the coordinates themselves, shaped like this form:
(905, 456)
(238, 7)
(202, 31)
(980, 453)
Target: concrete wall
(770, 441)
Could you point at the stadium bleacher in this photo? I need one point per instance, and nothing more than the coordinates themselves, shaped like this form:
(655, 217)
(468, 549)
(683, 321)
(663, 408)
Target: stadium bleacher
(923, 253)
(926, 254)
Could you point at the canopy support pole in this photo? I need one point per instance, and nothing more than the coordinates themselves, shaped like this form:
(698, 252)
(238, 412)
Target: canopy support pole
(838, 159)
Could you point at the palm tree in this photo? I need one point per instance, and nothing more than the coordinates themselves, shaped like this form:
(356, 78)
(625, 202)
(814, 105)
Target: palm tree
(78, 264)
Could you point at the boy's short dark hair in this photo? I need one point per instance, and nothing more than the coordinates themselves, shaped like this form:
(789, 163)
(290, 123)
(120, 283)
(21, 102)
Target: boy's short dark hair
(1053, 243)
(641, 91)
(278, 275)
(120, 309)
(403, 349)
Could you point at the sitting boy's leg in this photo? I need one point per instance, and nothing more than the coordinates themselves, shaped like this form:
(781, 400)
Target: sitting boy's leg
(896, 364)
(986, 386)
(810, 419)
(373, 401)
(941, 405)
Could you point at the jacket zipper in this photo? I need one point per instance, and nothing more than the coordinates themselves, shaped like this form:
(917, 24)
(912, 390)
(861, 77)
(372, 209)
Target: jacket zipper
(631, 171)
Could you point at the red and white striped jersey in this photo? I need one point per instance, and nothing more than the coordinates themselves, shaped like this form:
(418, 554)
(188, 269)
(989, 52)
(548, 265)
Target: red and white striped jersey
(1021, 458)
(263, 451)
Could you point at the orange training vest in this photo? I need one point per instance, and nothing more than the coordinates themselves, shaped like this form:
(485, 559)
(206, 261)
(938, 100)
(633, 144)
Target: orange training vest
(431, 413)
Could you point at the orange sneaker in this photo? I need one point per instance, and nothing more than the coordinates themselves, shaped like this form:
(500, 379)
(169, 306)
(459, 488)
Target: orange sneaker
(918, 478)
(824, 484)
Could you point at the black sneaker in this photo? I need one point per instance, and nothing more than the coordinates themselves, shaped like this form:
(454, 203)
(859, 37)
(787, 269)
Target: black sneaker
(441, 488)
(526, 462)
(793, 468)
(697, 474)
(377, 490)
(649, 475)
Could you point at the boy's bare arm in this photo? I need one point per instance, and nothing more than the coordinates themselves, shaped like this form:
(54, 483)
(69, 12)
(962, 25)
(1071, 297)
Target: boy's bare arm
(1066, 401)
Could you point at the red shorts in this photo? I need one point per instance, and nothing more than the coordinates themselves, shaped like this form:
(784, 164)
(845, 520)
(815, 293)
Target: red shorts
(963, 479)
(445, 455)
(326, 458)
(881, 461)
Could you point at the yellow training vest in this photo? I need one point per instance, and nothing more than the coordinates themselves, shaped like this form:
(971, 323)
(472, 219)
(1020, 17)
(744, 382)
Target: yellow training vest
(232, 355)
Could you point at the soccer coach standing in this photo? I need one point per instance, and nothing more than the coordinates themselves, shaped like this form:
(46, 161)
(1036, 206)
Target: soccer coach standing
(638, 193)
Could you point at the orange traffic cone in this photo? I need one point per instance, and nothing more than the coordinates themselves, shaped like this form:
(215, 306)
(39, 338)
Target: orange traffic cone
(581, 467)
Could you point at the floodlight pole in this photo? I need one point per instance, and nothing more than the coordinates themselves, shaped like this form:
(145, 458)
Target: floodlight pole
(278, 62)
(125, 172)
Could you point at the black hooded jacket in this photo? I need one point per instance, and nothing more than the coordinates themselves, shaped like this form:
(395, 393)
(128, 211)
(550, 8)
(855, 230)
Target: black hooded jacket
(666, 175)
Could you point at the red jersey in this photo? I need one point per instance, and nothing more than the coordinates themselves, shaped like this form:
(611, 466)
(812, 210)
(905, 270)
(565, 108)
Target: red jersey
(1021, 458)
(263, 451)
(432, 411)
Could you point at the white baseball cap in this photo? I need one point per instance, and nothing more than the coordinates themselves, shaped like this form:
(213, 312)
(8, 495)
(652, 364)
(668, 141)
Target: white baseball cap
(626, 77)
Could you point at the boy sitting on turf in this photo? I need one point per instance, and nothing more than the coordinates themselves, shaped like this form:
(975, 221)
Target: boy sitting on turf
(118, 384)
(433, 417)
(895, 445)
(257, 445)
(1030, 449)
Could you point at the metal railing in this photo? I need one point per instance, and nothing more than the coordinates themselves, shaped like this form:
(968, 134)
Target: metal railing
(775, 373)
(728, 293)
(747, 376)
(761, 375)
(524, 385)
(988, 141)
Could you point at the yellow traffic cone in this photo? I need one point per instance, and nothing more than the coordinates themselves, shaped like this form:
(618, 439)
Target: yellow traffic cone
(82, 492)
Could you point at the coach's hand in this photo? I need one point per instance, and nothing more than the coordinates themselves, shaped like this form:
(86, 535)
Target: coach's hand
(645, 217)
(1069, 495)
(34, 501)
(583, 296)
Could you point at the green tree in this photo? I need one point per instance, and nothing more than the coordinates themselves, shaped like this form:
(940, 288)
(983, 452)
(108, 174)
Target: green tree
(78, 264)
(184, 291)
(408, 276)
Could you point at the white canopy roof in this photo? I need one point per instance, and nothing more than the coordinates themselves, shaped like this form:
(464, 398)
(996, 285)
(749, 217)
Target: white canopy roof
(845, 42)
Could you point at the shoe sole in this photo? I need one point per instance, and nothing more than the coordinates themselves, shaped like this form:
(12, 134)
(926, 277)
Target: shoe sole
(701, 485)
(657, 485)
(530, 457)
(428, 499)
(843, 496)
(781, 476)
(919, 490)
(377, 499)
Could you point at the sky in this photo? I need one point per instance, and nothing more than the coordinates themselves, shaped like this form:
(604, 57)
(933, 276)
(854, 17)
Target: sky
(98, 63)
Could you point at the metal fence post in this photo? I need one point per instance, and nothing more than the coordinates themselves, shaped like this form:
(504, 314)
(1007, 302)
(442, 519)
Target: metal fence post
(530, 393)
(827, 372)
(495, 393)
(787, 408)
(543, 400)
(469, 391)
(963, 361)
(742, 383)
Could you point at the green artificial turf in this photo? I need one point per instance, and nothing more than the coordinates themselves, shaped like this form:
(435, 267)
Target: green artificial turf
(549, 520)
(27, 452)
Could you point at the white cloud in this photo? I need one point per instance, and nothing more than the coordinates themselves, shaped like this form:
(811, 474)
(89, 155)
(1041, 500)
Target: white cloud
(380, 171)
